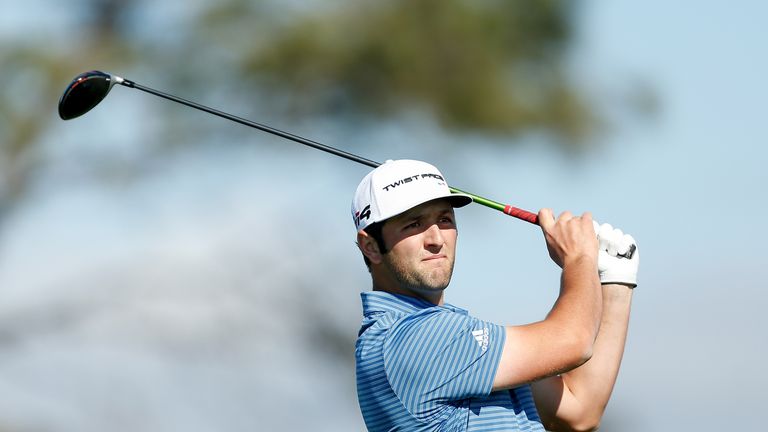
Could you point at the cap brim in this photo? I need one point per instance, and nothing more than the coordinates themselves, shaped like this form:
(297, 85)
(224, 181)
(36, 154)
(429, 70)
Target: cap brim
(459, 200)
(455, 199)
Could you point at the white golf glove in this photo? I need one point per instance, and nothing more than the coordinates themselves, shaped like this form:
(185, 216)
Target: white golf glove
(618, 258)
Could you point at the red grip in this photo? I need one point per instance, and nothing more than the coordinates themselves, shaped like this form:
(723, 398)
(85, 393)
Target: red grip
(522, 214)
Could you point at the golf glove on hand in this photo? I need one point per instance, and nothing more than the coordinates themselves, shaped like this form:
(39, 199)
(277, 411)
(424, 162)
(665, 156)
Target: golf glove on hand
(611, 265)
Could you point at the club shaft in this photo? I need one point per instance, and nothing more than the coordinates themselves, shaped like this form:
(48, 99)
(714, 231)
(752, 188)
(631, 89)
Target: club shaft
(506, 209)
(253, 124)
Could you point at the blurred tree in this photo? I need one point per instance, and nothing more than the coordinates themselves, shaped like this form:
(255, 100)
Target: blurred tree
(491, 66)
(494, 66)
(35, 72)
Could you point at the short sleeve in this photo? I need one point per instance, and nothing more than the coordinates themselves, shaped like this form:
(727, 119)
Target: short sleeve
(436, 358)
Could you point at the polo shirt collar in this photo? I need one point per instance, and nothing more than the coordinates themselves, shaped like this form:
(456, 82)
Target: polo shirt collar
(383, 302)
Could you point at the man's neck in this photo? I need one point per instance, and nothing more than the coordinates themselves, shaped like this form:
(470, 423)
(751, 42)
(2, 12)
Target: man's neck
(435, 298)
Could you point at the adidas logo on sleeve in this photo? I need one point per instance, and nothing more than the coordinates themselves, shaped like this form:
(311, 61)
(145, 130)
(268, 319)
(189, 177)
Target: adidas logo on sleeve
(481, 336)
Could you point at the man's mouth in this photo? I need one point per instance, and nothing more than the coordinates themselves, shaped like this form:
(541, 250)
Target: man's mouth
(435, 257)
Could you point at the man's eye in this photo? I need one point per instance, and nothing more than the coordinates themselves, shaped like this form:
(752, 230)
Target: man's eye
(413, 225)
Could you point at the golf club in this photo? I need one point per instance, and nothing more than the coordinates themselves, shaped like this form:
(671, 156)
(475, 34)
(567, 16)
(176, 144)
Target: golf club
(89, 88)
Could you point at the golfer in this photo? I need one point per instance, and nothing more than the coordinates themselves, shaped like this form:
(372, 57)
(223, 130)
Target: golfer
(425, 365)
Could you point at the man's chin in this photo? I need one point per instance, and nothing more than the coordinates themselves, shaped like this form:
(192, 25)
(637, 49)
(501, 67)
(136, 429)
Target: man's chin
(438, 281)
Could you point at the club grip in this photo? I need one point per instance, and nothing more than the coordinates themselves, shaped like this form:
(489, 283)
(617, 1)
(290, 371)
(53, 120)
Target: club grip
(522, 214)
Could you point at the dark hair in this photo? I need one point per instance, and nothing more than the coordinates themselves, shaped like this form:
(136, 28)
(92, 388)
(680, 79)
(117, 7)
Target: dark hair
(374, 230)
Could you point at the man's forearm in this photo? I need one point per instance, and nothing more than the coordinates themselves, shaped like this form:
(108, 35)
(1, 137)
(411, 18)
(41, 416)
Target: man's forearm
(592, 383)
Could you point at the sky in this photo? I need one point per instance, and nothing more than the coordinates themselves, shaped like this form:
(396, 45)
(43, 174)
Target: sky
(167, 290)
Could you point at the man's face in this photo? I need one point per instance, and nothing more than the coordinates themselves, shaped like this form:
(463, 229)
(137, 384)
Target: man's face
(422, 246)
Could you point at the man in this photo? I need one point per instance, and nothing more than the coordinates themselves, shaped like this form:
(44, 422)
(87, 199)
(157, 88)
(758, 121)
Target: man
(425, 365)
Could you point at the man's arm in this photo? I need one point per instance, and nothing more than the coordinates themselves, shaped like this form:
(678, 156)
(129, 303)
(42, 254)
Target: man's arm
(576, 400)
(564, 340)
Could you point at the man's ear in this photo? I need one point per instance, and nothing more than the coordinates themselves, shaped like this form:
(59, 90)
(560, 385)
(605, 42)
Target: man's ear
(369, 247)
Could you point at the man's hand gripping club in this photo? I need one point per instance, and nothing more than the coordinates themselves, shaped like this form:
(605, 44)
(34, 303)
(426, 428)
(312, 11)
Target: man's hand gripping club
(618, 257)
(569, 237)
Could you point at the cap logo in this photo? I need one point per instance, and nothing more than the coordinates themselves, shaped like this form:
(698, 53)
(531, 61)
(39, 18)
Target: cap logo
(363, 214)
(412, 178)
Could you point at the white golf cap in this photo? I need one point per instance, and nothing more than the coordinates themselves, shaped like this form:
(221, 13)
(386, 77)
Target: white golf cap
(397, 186)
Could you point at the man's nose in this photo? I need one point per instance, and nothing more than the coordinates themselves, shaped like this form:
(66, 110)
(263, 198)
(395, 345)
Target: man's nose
(433, 237)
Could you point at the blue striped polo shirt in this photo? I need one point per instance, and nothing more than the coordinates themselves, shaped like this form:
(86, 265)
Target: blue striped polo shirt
(422, 367)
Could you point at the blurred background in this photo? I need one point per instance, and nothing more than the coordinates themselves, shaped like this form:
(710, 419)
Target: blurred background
(162, 269)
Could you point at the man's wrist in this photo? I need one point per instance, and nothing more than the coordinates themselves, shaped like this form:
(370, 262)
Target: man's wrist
(617, 291)
(580, 260)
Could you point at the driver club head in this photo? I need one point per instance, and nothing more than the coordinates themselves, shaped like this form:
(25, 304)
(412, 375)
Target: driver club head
(85, 92)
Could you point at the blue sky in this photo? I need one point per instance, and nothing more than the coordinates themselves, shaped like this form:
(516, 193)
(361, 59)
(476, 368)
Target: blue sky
(687, 184)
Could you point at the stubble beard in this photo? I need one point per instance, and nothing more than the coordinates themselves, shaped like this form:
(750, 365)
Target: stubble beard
(420, 279)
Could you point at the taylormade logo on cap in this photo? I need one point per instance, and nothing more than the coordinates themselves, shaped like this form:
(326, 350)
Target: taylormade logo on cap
(397, 186)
